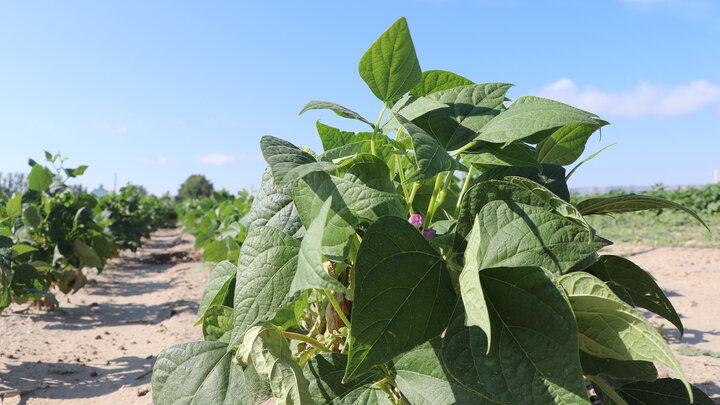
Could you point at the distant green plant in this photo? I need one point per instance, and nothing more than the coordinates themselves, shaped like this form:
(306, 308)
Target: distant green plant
(196, 186)
(371, 274)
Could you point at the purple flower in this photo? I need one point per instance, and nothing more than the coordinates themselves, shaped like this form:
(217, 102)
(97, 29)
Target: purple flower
(428, 233)
(416, 220)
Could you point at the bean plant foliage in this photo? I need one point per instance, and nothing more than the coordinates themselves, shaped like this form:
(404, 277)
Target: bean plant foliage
(433, 259)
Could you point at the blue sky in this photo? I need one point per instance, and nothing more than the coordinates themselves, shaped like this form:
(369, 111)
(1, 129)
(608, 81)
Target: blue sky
(157, 91)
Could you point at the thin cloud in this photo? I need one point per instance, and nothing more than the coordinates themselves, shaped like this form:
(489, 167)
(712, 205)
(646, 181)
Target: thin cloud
(645, 100)
(216, 159)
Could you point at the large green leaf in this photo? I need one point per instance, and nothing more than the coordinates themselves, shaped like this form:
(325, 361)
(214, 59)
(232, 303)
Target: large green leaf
(551, 176)
(529, 116)
(631, 203)
(288, 162)
(274, 362)
(274, 207)
(514, 154)
(332, 138)
(403, 294)
(566, 144)
(524, 223)
(476, 310)
(218, 323)
(88, 254)
(258, 390)
(469, 109)
(410, 107)
(390, 67)
(611, 328)
(40, 178)
(641, 286)
(437, 80)
(430, 157)
(665, 391)
(364, 192)
(6, 251)
(618, 369)
(534, 353)
(423, 381)
(336, 108)
(197, 373)
(310, 271)
(325, 372)
(266, 268)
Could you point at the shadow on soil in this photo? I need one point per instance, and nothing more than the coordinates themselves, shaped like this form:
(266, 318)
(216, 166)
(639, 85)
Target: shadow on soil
(106, 315)
(76, 380)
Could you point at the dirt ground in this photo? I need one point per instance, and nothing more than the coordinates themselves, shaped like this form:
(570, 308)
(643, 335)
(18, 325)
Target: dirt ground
(99, 347)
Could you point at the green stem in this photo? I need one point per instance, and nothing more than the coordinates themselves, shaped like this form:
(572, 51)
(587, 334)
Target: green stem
(306, 339)
(464, 189)
(431, 207)
(464, 148)
(415, 188)
(335, 305)
(400, 169)
(376, 130)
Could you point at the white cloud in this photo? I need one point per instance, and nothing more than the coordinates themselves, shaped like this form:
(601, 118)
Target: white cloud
(217, 159)
(646, 99)
(160, 161)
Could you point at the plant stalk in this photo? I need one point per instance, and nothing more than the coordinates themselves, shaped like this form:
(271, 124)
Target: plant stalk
(464, 189)
(339, 311)
(433, 198)
(376, 130)
(306, 339)
(464, 148)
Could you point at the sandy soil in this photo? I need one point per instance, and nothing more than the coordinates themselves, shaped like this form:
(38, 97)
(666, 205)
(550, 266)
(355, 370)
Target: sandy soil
(99, 347)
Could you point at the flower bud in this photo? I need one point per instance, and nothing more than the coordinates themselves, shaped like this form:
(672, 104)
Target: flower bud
(416, 220)
(428, 233)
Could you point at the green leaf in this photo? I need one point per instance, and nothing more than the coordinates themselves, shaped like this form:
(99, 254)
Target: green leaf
(666, 391)
(87, 254)
(566, 144)
(332, 138)
(529, 116)
(403, 294)
(410, 107)
(390, 67)
(14, 205)
(222, 276)
(514, 154)
(423, 380)
(552, 177)
(26, 280)
(258, 390)
(524, 223)
(31, 216)
(274, 362)
(325, 372)
(365, 191)
(39, 178)
(432, 81)
(589, 158)
(631, 203)
(288, 162)
(618, 369)
(469, 109)
(611, 328)
(197, 373)
(215, 251)
(535, 342)
(274, 207)
(75, 172)
(266, 268)
(310, 271)
(336, 108)
(641, 286)
(430, 157)
(218, 323)
(476, 310)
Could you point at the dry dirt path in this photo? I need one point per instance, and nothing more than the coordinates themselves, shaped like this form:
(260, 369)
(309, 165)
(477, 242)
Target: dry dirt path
(100, 345)
(690, 278)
